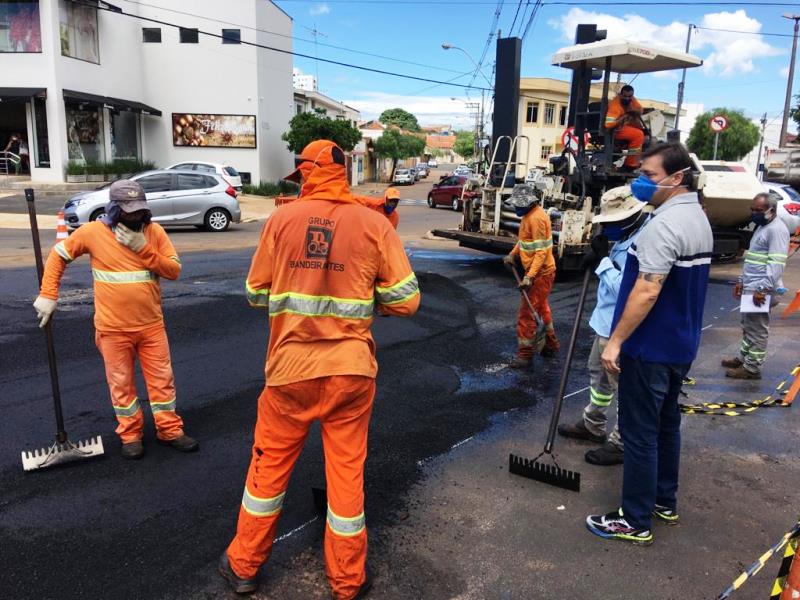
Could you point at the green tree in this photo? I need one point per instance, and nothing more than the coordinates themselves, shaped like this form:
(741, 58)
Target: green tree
(400, 117)
(307, 127)
(737, 140)
(397, 146)
(465, 143)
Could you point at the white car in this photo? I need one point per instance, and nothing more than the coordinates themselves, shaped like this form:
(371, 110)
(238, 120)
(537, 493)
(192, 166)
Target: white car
(227, 172)
(404, 176)
(433, 164)
(788, 203)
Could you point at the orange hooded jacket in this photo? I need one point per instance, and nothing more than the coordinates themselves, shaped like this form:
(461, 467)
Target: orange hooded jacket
(321, 265)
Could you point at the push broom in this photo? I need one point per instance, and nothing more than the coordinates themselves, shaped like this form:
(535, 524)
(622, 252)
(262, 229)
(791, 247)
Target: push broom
(550, 472)
(62, 450)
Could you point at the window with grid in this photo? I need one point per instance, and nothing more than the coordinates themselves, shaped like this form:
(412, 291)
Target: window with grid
(546, 151)
(562, 115)
(532, 114)
(549, 113)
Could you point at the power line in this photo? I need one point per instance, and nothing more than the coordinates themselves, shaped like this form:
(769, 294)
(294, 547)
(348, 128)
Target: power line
(532, 18)
(290, 37)
(282, 51)
(745, 32)
(516, 14)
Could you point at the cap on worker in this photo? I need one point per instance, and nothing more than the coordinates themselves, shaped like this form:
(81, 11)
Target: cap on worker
(128, 195)
(523, 195)
(317, 153)
(392, 194)
(617, 204)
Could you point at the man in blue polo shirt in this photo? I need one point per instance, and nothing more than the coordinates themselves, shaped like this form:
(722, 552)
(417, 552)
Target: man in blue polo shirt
(655, 337)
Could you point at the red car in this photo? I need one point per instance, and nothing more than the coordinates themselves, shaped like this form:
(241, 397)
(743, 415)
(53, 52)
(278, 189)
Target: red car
(448, 192)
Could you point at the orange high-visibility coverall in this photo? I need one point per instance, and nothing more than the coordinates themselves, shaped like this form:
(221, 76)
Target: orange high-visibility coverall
(128, 319)
(321, 265)
(535, 250)
(377, 204)
(631, 134)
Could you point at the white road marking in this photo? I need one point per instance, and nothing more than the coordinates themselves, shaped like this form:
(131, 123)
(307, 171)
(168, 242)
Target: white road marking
(706, 327)
(296, 529)
(576, 392)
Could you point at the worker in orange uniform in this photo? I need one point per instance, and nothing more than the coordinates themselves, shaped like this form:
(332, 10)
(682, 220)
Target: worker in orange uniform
(387, 206)
(535, 250)
(321, 265)
(129, 253)
(624, 116)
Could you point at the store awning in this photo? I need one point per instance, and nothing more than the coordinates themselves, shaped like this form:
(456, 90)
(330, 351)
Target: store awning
(109, 102)
(21, 94)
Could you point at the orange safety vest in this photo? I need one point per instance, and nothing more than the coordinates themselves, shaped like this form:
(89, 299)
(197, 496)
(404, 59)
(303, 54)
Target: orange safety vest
(535, 244)
(616, 110)
(322, 264)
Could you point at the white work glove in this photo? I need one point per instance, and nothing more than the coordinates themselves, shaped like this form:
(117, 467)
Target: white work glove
(127, 237)
(509, 259)
(526, 283)
(45, 307)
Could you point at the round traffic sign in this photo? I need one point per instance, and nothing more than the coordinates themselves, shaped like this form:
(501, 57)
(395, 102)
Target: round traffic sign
(570, 141)
(718, 123)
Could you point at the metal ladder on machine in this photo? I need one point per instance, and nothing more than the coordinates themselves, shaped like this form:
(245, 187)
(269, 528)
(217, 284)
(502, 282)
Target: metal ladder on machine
(502, 190)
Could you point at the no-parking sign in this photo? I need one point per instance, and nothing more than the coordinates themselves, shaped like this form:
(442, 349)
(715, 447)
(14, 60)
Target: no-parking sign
(718, 123)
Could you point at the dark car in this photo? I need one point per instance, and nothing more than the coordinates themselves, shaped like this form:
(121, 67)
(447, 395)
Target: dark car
(448, 192)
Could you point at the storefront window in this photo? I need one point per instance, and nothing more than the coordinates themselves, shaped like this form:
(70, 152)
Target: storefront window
(85, 132)
(42, 146)
(19, 27)
(78, 29)
(124, 134)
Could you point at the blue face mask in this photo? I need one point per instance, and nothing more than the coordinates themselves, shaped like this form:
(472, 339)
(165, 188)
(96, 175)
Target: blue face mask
(643, 187)
(388, 209)
(521, 212)
(613, 231)
(759, 218)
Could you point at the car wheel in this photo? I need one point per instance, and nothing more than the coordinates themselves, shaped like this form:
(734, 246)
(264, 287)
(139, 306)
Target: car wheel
(98, 214)
(431, 203)
(456, 203)
(217, 219)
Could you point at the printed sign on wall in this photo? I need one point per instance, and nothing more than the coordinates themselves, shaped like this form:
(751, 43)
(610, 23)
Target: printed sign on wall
(213, 131)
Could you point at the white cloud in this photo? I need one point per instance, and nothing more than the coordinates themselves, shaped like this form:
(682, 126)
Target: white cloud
(319, 9)
(429, 110)
(785, 72)
(723, 53)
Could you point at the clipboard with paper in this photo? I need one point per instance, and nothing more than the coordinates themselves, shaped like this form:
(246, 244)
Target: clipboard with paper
(748, 306)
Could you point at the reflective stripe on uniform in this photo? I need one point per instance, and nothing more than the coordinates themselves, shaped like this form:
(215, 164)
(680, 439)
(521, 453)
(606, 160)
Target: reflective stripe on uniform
(62, 251)
(525, 342)
(599, 399)
(777, 259)
(756, 258)
(399, 292)
(256, 297)
(535, 245)
(346, 526)
(157, 407)
(262, 507)
(176, 259)
(320, 306)
(127, 411)
(124, 276)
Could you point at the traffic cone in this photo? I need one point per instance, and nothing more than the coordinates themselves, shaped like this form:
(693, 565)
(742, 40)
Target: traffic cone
(61, 227)
(793, 306)
(791, 589)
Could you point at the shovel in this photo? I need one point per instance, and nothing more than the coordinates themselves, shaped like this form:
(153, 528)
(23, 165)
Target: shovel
(62, 450)
(541, 329)
(542, 471)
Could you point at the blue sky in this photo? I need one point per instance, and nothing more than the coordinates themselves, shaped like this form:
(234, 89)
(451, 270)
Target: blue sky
(741, 70)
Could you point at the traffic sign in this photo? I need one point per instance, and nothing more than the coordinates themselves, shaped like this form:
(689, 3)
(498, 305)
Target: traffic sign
(570, 140)
(718, 123)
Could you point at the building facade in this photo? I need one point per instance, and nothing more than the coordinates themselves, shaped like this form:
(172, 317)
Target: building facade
(95, 84)
(543, 106)
(301, 81)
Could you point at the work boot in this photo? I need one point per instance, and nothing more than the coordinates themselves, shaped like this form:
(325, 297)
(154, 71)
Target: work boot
(183, 443)
(365, 587)
(732, 363)
(520, 363)
(580, 432)
(606, 455)
(237, 584)
(741, 373)
(132, 450)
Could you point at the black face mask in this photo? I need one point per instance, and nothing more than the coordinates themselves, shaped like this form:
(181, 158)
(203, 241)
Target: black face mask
(625, 101)
(135, 225)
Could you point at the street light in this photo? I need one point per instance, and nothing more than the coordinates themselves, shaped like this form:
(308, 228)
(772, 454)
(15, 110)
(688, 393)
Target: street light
(787, 103)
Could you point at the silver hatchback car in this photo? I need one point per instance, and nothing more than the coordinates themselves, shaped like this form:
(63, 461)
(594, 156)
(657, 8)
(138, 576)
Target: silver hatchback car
(175, 198)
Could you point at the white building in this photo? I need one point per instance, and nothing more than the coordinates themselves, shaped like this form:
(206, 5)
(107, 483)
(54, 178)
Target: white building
(97, 84)
(301, 81)
(311, 100)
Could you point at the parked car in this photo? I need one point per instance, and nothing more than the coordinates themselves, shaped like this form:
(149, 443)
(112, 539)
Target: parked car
(227, 172)
(175, 197)
(433, 164)
(404, 176)
(462, 171)
(448, 192)
(788, 203)
(414, 172)
(423, 170)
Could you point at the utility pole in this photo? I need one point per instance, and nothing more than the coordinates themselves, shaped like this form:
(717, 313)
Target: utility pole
(682, 84)
(761, 143)
(788, 102)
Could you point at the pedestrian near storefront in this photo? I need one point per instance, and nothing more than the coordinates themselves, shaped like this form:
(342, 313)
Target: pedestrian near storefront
(761, 276)
(322, 264)
(534, 250)
(129, 254)
(622, 217)
(655, 337)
